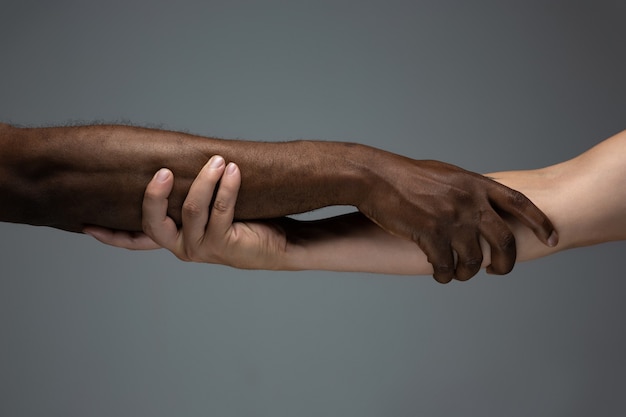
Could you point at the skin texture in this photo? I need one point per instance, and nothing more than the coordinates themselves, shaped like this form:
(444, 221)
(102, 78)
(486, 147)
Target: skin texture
(70, 177)
(584, 196)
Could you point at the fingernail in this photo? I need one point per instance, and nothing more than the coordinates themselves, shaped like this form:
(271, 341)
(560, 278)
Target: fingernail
(553, 240)
(162, 175)
(231, 168)
(216, 161)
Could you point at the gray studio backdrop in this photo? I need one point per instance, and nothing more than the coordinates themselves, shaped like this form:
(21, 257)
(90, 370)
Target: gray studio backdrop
(92, 330)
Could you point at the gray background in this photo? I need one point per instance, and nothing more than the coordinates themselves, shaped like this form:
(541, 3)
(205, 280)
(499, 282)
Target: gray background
(92, 330)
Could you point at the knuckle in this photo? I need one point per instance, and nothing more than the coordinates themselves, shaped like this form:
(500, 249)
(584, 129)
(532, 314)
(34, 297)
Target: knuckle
(443, 273)
(443, 268)
(518, 199)
(464, 198)
(469, 262)
(507, 241)
(447, 212)
(221, 206)
(191, 208)
(473, 263)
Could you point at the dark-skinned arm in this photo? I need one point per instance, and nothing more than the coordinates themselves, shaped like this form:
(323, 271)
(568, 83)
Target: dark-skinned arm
(69, 177)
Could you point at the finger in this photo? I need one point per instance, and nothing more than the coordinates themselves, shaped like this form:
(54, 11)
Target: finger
(518, 205)
(155, 221)
(470, 258)
(223, 211)
(439, 254)
(502, 242)
(121, 239)
(195, 212)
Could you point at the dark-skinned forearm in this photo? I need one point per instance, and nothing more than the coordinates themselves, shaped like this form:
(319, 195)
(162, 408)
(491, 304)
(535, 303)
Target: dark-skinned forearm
(67, 177)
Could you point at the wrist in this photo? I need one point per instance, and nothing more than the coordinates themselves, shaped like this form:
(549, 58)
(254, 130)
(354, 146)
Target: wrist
(353, 173)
